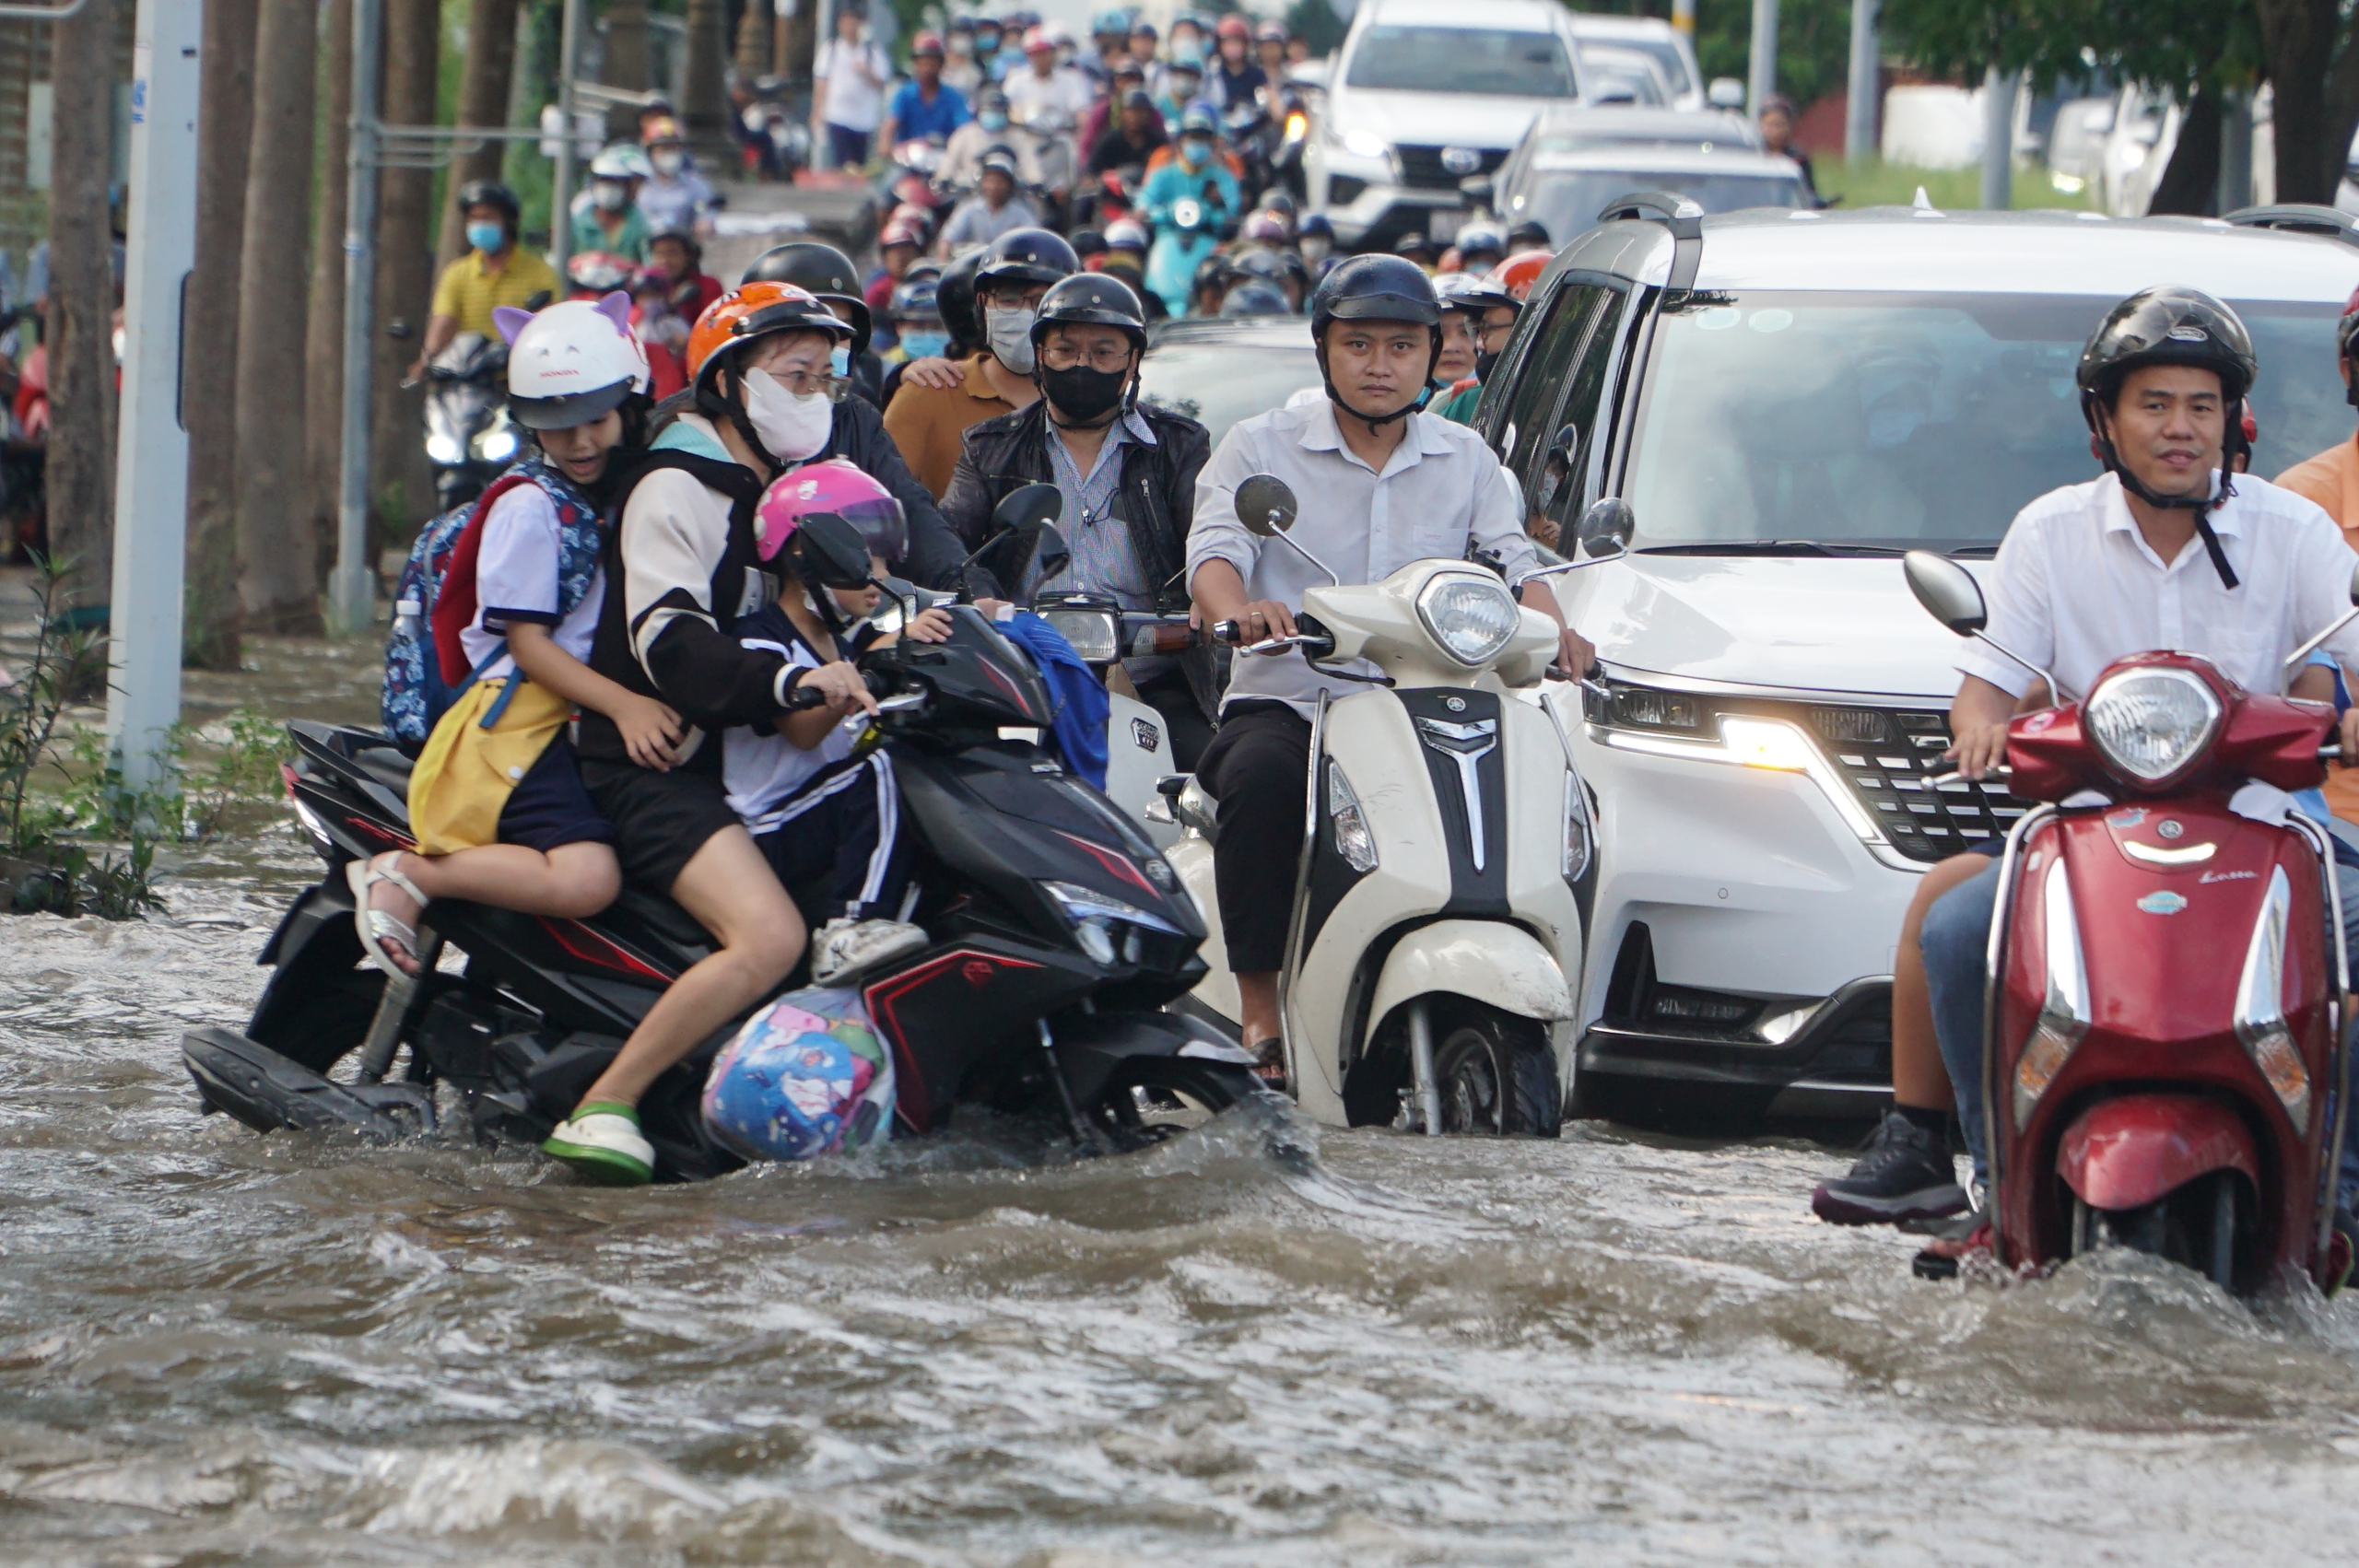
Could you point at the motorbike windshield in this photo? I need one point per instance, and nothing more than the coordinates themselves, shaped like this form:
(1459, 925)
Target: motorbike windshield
(1472, 60)
(1895, 421)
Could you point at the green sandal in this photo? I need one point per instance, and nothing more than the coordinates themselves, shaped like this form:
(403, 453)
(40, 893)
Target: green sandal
(601, 1141)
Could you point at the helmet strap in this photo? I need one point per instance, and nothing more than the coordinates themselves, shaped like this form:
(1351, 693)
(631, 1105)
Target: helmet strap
(732, 408)
(1377, 421)
(2350, 381)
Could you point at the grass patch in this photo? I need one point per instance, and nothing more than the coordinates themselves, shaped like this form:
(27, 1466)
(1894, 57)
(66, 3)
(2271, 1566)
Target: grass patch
(1880, 184)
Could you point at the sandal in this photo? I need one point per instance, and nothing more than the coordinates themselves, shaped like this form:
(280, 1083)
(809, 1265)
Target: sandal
(375, 925)
(1269, 1056)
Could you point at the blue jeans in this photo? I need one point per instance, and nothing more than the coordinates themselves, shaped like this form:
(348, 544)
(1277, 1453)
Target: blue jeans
(1955, 941)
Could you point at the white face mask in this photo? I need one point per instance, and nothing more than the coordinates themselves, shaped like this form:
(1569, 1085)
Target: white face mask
(792, 428)
(611, 196)
(667, 162)
(1009, 332)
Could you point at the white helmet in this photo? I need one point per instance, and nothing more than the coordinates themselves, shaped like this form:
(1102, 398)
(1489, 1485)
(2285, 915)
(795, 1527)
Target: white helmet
(572, 363)
(624, 161)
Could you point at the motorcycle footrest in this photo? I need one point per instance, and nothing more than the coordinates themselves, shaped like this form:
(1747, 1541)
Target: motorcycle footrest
(266, 1092)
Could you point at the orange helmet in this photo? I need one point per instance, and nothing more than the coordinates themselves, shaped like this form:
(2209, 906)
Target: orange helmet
(1518, 274)
(752, 310)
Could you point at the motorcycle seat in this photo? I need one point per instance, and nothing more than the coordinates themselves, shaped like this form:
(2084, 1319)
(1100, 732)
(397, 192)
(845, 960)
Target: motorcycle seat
(387, 765)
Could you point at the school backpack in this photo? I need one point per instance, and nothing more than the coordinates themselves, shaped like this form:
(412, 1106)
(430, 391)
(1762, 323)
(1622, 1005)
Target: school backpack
(415, 695)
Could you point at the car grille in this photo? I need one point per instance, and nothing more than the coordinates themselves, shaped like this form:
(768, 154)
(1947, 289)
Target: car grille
(1889, 759)
(1421, 167)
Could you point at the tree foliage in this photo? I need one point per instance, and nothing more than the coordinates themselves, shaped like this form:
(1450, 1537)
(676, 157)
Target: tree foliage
(2175, 44)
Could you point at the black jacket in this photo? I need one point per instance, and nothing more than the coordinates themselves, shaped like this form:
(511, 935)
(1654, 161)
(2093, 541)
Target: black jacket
(859, 435)
(1156, 499)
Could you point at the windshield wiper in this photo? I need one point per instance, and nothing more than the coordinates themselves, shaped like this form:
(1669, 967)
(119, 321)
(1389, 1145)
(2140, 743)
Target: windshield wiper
(1769, 547)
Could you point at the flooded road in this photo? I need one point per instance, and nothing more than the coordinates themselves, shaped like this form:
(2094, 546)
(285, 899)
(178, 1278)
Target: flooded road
(216, 1348)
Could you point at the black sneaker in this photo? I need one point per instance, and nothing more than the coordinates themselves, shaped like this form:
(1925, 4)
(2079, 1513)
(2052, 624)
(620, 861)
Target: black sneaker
(1906, 1174)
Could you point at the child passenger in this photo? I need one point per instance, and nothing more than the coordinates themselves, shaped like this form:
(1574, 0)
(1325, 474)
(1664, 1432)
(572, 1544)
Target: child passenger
(496, 803)
(817, 804)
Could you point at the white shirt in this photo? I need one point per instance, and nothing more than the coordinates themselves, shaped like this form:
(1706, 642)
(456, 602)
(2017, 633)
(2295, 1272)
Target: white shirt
(764, 772)
(1440, 489)
(516, 579)
(853, 101)
(1063, 91)
(2076, 586)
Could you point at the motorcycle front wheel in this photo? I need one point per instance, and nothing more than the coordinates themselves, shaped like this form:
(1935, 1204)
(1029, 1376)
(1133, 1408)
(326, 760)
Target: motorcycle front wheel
(1497, 1075)
(1151, 1098)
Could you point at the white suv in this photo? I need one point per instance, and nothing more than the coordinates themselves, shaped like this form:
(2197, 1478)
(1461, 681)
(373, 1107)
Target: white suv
(1426, 93)
(1786, 401)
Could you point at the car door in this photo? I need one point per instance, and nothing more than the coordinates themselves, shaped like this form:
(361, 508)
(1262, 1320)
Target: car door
(1579, 433)
(1519, 424)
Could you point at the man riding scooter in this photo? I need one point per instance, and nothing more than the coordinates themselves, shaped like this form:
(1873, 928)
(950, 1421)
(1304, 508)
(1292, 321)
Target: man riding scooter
(1127, 473)
(1384, 484)
(1189, 202)
(2163, 550)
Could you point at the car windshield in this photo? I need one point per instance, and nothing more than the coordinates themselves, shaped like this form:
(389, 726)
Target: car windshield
(1666, 57)
(1218, 382)
(1470, 60)
(1900, 420)
(1568, 201)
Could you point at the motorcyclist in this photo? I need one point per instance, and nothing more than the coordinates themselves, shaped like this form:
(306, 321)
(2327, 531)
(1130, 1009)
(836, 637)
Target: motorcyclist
(1126, 246)
(1482, 314)
(606, 215)
(1481, 246)
(916, 315)
(1237, 81)
(828, 273)
(1270, 49)
(938, 401)
(493, 273)
(988, 132)
(2331, 477)
(995, 209)
(1251, 297)
(924, 105)
(1189, 201)
(2163, 550)
(674, 196)
(1381, 483)
(1127, 472)
(1529, 235)
(1314, 238)
(1132, 140)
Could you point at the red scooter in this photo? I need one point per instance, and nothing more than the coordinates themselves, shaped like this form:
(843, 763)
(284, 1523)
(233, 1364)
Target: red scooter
(2164, 1051)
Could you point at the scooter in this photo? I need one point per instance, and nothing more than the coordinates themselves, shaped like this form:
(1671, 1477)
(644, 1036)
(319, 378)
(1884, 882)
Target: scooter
(468, 437)
(1058, 932)
(1183, 237)
(2165, 1046)
(1427, 981)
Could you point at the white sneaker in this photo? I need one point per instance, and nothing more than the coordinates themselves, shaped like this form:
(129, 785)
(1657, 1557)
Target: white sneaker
(846, 949)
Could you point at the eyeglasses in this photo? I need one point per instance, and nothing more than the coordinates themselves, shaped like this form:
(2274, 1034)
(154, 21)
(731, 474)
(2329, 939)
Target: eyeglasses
(806, 384)
(1105, 357)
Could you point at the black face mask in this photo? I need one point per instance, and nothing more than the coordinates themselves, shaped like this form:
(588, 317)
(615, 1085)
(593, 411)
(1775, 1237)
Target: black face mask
(1082, 395)
(1482, 363)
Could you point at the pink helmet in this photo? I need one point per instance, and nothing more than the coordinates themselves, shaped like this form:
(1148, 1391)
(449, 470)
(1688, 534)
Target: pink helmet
(836, 486)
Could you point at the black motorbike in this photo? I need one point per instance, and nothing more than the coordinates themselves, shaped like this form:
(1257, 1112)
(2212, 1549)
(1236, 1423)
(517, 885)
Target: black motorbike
(1058, 932)
(468, 437)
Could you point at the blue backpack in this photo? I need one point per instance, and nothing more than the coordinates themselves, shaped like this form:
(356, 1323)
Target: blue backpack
(415, 695)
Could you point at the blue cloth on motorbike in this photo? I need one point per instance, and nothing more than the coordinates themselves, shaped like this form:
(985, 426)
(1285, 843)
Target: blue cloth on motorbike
(1079, 726)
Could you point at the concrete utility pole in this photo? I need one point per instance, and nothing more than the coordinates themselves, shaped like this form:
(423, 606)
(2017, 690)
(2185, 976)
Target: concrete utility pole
(1864, 86)
(1998, 141)
(1761, 72)
(1683, 16)
(561, 185)
(151, 459)
(352, 587)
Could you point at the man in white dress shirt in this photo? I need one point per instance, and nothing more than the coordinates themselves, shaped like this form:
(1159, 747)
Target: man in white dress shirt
(1380, 483)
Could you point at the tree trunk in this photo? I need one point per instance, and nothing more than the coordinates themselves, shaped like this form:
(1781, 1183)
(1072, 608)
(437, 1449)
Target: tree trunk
(483, 100)
(324, 331)
(799, 43)
(2312, 120)
(627, 62)
(401, 489)
(278, 568)
(2191, 184)
(752, 40)
(225, 124)
(80, 329)
(706, 109)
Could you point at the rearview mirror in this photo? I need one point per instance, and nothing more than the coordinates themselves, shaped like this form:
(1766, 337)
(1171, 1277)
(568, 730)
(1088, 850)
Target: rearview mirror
(1947, 591)
(1726, 92)
(1264, 505)
(1606, 528)
(834, 551)
(1049, 551)
(1028, 508)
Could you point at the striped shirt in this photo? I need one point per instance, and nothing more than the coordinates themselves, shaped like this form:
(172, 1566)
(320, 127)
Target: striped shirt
(1105, 558)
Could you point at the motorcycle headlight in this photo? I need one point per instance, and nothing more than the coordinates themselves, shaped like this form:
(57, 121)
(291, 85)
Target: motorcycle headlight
(1577, 835)
(444, 449)
(2064, 1011)
(1471, 617)
(1082, 905)
(496, 445)
(1348, 824)
(2152, 725)
(1095, 635)
(2260, 1004)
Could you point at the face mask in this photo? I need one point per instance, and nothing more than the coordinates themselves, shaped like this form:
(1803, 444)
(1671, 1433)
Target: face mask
(792, 428)
(1193, 153)
(840, 361)
(986, 45)
(487, 237)
(611, 196)
(1009, 332)
(925, 345)
(667, 162)
(1083, 394)
(992, 120)
(1482, 363)
(1187, 50)
(1314, 248)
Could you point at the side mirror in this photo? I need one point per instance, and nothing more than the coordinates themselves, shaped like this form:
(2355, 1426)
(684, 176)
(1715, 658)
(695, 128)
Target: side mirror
(1028, 508)
(1265, 505)
(1726, 92)
(1947, 591)
(1049, 551)
(538, 300)
(834, 550)
(1607, 527)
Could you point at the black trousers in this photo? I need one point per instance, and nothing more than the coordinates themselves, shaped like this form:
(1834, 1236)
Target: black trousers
(846, 827)
(1256, 768)
(1183, 717)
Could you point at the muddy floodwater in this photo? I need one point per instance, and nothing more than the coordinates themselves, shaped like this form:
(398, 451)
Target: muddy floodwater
(1620, 1348)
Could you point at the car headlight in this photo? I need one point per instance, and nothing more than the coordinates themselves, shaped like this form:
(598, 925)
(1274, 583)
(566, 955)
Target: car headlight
(1095, 635)
(1471, 617)
(1347, 822)
(1578, 847)
(1365, 144)
(2152, 725)
(444, 449)
(496, 445)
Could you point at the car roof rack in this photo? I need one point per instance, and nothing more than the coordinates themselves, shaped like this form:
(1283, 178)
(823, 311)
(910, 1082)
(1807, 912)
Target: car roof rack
(1679, 214)
(2301, 217)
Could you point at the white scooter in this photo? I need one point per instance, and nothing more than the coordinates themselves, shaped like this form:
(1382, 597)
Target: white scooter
(1436, 932)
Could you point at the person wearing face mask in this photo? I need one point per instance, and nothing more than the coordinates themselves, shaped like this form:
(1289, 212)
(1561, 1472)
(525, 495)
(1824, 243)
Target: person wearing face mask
(1477, 315)
(988, 57)
(673, 196)
(995, 209)
(916, 314)
(1126, 470)
(938, 401)
(1188, 204)
(493, 273)
(606, 215)
(1316, 240)
(987, 132)
(828, 273)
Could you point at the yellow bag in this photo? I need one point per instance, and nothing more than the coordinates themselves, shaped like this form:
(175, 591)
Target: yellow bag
(463, 779)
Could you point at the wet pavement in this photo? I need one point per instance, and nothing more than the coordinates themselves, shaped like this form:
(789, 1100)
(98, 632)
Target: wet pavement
(1619, 1348)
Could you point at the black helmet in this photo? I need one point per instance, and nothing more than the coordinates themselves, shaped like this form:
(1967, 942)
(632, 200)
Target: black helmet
(1027, 255)
(1375, 287)
(1094, 299)
(1254, 298)
(2166, 326)
(822, 270)
(1529, 234)
(955, 297)
(915, 297)
(490, 194)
